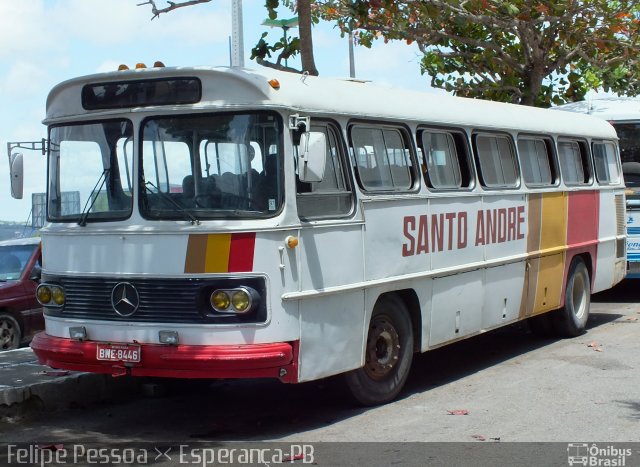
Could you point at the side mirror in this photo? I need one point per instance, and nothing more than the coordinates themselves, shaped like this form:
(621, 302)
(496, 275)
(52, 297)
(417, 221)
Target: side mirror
(16, 172)
(36, 273)
(312, 156)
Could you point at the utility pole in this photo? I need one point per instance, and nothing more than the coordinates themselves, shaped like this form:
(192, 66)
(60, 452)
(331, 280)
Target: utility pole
(237, 40)
(352, 64)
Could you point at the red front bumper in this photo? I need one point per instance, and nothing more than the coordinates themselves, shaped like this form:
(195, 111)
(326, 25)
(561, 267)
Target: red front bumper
(275, 360)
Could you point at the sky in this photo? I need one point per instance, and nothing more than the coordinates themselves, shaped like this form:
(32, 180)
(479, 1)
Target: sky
(44, 42)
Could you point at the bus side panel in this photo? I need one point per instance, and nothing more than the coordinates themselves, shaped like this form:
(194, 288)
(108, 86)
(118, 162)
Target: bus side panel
(330, 256)
(503, 294)
(455, 220)
(332, 335)
(609, 226)
(456, 306)
(549, 258)
(582, 228)
(502, 226)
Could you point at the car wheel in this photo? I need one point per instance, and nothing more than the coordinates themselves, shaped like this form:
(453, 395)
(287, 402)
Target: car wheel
(10, 332)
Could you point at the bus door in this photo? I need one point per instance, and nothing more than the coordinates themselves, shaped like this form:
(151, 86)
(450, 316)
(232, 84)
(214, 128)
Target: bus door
(330, 256)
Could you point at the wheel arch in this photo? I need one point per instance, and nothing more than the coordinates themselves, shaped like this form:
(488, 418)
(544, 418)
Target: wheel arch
(409, 298)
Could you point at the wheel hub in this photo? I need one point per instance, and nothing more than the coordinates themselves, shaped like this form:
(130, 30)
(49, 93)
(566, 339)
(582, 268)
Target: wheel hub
(7, 335)
(383, 348)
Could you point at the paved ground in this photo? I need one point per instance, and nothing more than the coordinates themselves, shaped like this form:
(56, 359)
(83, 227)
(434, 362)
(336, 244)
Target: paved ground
(26, 385)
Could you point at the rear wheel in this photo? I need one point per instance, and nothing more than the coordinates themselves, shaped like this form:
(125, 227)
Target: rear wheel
(571, 320)
(10, 332)
(388, 354)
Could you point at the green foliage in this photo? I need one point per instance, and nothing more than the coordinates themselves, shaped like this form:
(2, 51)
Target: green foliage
(535, 52)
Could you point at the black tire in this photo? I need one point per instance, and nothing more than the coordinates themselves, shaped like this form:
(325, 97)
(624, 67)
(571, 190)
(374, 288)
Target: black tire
(541, 325)
(389, 353)
(571, 320)
(10, 332)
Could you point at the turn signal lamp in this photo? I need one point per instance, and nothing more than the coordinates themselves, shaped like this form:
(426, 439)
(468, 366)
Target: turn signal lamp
(291, 241)
(274, 83)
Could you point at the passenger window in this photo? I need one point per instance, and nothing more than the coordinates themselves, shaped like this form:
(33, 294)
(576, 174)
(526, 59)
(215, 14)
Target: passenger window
(497, 161)
(445, 162)
(332, 196)
(606, 162)
(535, 160)
(573, 163)
(382, 157)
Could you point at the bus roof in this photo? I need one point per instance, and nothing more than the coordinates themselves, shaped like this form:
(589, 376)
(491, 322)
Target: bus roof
(609, 108)
(242, 88)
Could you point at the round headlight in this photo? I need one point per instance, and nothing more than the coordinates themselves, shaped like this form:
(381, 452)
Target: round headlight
(241, 301)
(57, 294)
(220, 300)
(43, 294)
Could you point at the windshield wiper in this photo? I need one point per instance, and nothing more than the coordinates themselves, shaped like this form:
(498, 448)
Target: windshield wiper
(193, 219)
(85, 212)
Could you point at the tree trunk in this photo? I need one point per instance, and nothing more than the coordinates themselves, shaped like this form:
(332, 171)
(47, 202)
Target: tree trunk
(306, 42)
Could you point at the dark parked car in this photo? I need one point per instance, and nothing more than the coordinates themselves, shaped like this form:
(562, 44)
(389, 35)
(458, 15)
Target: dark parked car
(20, 313)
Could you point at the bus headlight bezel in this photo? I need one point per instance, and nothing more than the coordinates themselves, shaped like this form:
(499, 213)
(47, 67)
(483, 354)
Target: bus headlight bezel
(52, 295)
(237, 301)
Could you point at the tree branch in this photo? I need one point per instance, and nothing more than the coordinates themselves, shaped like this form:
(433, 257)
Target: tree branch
(276, 66)
(172, 6)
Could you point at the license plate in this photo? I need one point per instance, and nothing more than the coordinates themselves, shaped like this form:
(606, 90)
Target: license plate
(129, 353)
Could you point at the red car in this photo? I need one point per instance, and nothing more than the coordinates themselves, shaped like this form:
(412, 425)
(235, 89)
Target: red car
(20, 313)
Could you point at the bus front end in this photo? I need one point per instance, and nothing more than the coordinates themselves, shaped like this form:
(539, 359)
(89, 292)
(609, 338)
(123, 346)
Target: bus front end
(163, 252)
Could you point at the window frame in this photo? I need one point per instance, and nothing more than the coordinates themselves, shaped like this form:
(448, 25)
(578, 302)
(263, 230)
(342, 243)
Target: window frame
(551, 158)
(616, 154)
(408, 141)
(509, 138)
(342, 158)
(463, 153)
(585, 158)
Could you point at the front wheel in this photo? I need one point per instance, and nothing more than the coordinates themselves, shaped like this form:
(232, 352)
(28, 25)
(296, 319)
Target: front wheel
(388, 354)
(10, 332)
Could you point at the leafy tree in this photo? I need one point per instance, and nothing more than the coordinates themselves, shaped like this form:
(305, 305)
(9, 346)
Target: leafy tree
(533, 52)
(285, 48)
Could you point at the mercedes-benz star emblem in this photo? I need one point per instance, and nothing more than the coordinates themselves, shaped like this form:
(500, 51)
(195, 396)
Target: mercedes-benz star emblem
(125, 299)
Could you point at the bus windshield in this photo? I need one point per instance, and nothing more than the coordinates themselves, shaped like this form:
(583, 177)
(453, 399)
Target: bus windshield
(90, 171)
(211, 166)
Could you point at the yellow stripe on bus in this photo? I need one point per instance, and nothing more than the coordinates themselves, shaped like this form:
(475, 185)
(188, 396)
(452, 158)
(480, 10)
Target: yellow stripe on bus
(553, 239)
(217, 254)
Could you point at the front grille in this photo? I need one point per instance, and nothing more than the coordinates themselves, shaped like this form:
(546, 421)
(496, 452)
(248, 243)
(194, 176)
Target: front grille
(161, 300)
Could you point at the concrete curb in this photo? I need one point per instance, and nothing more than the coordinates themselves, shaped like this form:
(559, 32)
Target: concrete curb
(25, 384)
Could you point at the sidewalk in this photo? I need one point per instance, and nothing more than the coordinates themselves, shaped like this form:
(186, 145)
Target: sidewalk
(25, 384)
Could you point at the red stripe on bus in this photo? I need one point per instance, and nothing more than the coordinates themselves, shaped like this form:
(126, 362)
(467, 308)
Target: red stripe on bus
(241, 253)
(584, 214)
(582, 230)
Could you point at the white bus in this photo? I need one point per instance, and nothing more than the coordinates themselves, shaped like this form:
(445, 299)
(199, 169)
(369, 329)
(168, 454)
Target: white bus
(624, 114)
(243, 224)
